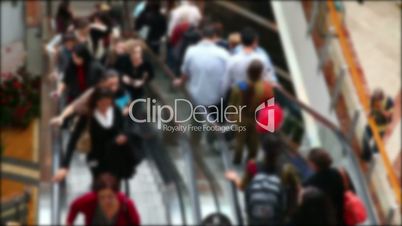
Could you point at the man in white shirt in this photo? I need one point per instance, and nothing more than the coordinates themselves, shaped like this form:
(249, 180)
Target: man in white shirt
(236, 70)
(186, 11)
(203, 69)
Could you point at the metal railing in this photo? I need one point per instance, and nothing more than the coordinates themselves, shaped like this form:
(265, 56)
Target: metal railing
(15, 209)
(349, 85)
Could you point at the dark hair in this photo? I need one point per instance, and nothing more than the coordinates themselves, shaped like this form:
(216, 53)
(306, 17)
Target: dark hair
(216, 219)
(208, 31)
(82, 52)
(320, 158)
(153, 6)
(99, 93)
(69, 36)
(81, 23)
(272, 145)
(106, 181)
(315, 209)
(109, 73)
(63, 11)
(248, 36)
(218, 29)
(378, 95)
(254, 70)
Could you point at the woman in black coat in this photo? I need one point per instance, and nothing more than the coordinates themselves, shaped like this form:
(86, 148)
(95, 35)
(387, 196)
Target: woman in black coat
(110, 149)
(135, 71)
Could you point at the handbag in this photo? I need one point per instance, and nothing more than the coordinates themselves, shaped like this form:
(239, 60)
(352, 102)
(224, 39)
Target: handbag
(84, 142)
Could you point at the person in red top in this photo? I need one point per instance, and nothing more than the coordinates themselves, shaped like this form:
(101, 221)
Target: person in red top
(104, 205)
(81, 72)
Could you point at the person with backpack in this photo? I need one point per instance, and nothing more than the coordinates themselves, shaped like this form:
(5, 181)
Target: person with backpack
(104, 205)
(250, 93)
(263, 182)
(239, 62)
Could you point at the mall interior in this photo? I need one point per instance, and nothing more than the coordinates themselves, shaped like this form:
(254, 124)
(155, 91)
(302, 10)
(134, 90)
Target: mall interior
(195, 112)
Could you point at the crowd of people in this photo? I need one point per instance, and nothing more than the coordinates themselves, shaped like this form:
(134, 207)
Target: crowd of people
(99, 73)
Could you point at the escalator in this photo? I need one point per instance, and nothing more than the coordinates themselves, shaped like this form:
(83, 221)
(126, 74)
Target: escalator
(190, 177)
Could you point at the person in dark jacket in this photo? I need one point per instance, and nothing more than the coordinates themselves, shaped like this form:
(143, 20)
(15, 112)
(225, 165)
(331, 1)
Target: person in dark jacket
(64, 17)
(66, 51)
(315, 209)
(81, 73)
(110, 149)
(135, 71)
(328, 180)
(152, 25)
(104, 205)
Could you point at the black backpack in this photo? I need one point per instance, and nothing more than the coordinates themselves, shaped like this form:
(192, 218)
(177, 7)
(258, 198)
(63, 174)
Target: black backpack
(264, 199)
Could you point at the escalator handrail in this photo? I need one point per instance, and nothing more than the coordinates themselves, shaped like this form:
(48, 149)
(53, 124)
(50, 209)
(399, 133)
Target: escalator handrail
(356, 79)
(317, 116)
(189, 162)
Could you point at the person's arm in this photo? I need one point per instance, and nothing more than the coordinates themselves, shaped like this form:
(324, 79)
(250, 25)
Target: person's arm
(185, 70)
(133, 213)
(79, 128)
(80, 102)
(270, 69)
(78, 206)
(51, 47)
(226, 80)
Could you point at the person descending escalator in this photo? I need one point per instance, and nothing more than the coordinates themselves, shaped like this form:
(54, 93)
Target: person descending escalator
(109, 149)
(81, 73)
(64, 17)
(104, 205)
(135, 71)
(151, 25)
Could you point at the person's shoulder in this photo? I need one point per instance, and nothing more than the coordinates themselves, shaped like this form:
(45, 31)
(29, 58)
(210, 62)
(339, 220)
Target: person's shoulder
(86, 199)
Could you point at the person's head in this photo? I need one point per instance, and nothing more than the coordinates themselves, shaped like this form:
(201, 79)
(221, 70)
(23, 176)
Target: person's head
(376, 98)
(319, 159)
(249, 37)
(234, 39)
(81, 55)
(109, 80)
(218, 29)
(101, 100)
(255, 70)
(208, 31)
(82, 26)
(153, 6)
(272, 145)
(315, 209)
(69, 40)
(216, 219)
(64, 8)
(106, 186)
(136, 54)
